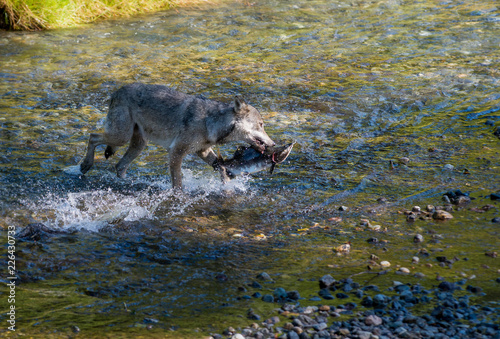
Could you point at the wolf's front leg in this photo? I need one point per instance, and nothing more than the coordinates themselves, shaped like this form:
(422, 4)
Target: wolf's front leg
(175, 164)
(95, 140)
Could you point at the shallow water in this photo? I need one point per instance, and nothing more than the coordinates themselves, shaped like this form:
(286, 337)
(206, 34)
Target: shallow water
(359, 85)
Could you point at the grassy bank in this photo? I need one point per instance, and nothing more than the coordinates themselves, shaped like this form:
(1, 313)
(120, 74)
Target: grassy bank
(49, 14)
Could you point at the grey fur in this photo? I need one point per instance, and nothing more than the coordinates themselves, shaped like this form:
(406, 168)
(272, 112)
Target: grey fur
(182, 123)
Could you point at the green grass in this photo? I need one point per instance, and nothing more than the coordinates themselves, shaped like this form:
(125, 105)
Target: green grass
(50, 14)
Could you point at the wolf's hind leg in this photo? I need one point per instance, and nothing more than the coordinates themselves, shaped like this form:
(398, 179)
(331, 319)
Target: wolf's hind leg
(137, 145)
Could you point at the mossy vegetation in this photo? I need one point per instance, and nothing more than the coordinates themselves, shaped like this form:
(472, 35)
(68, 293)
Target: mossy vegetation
(49, 14)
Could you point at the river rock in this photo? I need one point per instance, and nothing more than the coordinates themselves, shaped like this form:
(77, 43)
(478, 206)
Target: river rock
(325, 294)
(385, 263)
(36, 232)
(264, 276)
(411, 217)
(344, 331)
(324, 308)
(253, 316)
(442, 215)
(344, 248)
(326, 281)
(320, 326)
(273, 320)
(497, 132)
(462, 200)
(342, 295)
(279, 293)
(293, 295)
(310, 310)
(367, 301)
(268, 298)
(457, 197)
(373, 320)
(364, 222)
(418, 238)
(379, 301)
(255, 284)
(446, 286)
(364, 335)
(375, 227)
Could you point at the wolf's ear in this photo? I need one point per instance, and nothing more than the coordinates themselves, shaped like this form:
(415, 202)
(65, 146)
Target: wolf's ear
(239, 104)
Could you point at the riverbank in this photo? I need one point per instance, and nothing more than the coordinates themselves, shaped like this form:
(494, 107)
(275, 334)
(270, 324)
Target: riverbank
(448, 310)
(33, 15)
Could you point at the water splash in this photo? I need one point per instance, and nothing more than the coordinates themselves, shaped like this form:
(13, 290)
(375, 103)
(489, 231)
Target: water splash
(97, 208)
(73, 170)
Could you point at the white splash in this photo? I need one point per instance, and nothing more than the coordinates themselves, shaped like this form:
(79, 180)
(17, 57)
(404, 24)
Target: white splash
(95, 209)
(73, 170)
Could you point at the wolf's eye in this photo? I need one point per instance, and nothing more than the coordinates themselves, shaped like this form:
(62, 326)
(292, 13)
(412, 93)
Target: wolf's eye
(261, 125)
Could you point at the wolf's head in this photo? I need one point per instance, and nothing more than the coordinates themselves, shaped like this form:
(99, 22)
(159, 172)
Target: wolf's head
(249, 126)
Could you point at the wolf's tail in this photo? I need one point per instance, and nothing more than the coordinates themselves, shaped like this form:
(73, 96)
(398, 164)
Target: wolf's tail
(109, 151)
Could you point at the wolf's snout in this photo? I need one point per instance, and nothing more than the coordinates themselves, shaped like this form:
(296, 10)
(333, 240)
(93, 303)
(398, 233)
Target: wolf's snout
(266, 143)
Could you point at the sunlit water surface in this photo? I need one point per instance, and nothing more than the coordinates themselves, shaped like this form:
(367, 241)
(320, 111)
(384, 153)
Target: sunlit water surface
(359, 85)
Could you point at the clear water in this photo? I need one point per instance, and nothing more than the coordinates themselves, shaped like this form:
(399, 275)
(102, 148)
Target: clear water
(356, 84)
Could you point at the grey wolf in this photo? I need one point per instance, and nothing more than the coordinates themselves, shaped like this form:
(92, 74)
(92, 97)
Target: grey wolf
(183, 124)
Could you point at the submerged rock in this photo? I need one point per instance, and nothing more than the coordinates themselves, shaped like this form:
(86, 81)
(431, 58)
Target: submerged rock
(457, 197)
(418, 238)
(403, 270)
(442, 215)
(496, 132)
(36, 232)
(264, 276)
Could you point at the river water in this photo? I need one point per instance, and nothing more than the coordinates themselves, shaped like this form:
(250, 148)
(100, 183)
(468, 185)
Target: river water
(390, 103)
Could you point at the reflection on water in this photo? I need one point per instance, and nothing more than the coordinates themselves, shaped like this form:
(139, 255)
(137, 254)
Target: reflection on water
(381, 97)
